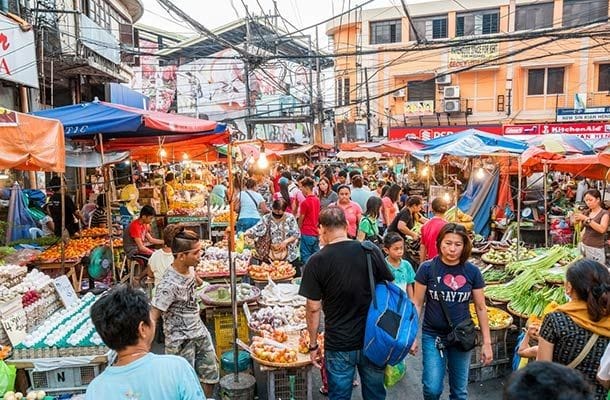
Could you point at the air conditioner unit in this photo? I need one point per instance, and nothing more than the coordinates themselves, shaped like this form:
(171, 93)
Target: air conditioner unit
(451, 92)
(399, 93)
(443, 79)
(451, 106)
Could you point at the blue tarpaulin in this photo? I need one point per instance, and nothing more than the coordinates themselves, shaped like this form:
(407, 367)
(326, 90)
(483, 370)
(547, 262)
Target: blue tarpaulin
(478, 200)
(19, 219)
(468, 143)
(118, 121)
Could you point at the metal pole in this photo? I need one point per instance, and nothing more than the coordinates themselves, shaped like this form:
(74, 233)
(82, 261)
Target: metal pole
(62, 191)
(231, 264)
(249, 130)
(545, 171)
(107, 197)
(519, 207)
(368, 105)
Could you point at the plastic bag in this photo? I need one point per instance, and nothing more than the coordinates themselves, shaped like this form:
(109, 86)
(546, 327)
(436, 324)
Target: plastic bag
(393, 374)
(7, 377)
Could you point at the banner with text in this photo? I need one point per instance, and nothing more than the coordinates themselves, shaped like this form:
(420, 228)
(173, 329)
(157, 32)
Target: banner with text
(466, 56)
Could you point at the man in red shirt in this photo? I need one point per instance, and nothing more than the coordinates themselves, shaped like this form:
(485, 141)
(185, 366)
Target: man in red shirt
(430, 230)
(309, 211)
(138, 233)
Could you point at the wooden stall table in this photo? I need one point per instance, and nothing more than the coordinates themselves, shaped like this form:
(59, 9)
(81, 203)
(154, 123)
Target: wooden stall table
(74, 270)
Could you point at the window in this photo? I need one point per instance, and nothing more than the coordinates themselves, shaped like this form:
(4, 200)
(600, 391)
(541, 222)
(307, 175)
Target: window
(343, 92)
(429, 28)
(603, 81)
(479, 23)
(421, 90)
(581, 12)
(386, 31)
(106, 16)
(534, 16)
(539, 78)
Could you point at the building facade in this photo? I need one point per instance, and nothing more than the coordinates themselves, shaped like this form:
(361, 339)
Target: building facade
(486, 63)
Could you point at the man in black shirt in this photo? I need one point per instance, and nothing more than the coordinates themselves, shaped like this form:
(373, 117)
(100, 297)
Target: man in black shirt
(72, 214)
(337, 277)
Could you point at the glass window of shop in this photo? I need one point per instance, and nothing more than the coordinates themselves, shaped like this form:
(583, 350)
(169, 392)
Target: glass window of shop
(534, 16)
(429, 28)
(539, 79)
(421, 90)
(386, 31)
(106, 16)
(603, 78)
(478, 23)
(582, 12)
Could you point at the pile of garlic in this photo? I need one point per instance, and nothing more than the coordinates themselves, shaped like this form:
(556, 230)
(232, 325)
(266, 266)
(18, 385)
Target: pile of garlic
(34, 395)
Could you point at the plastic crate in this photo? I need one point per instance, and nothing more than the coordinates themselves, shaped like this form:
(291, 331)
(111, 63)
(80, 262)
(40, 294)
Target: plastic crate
(223, 330)
(500, 349)
(493, 371)
(71, 379)
(290, 383)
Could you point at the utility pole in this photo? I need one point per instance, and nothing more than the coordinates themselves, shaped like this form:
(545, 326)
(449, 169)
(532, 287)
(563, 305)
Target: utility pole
(368, 105)
(319, 100)
(249, 130)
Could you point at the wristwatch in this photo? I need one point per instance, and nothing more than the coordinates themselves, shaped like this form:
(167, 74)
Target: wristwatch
(312, 348)
(587, 221)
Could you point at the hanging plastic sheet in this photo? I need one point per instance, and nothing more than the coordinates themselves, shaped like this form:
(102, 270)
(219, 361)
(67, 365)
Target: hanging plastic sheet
(478, 200)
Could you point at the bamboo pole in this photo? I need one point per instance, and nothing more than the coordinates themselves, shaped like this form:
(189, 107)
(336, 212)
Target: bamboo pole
(231, 239)
(108, 208)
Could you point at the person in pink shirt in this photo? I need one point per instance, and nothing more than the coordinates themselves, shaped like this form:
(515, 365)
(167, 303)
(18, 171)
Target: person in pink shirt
(352, 210)
(430, 230)
(389, 209)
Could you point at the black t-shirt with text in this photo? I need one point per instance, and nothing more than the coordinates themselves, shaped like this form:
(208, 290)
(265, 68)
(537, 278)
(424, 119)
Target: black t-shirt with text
(55, 212)
(338, 275)
(405, 216)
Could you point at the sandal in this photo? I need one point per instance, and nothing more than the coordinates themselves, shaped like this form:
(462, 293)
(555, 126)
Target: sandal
(323, 392)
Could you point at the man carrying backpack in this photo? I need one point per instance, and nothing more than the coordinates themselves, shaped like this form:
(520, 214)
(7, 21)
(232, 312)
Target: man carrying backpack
(336, 279)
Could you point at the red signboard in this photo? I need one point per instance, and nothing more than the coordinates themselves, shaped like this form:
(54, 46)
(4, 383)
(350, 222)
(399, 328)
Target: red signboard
(431, 132)
(591, 130)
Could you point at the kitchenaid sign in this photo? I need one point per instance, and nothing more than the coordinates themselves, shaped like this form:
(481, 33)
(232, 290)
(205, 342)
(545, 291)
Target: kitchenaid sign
(592, 130)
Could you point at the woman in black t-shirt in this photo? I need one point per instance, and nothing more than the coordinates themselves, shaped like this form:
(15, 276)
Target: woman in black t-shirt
(565, 333)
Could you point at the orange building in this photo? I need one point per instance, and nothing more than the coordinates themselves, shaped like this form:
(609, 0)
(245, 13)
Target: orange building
(489, 63)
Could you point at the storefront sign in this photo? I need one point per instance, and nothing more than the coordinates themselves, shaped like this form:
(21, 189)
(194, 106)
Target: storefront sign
(17, 54)
(466, 56)
(426, 133)
(584, 114)
(592, 130)
(419, 108)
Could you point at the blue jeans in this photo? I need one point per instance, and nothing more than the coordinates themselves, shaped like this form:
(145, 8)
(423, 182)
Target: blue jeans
(340, 368)
(309, 245)
(455, 361)
(244, 224)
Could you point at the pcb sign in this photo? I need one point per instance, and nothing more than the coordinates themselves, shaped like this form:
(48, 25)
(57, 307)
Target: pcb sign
(17, 53)
(467, 56)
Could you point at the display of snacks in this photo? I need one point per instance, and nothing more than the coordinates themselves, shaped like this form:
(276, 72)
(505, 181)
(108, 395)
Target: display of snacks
(220, 295)
(216, 210)
(498, 319)
(68, 332)
(92, 232)
(270, 318)
(222, 218)
(264, 349)
(304, 342)
(75, 249)
(220, 268)
(276, 270)
(281, 294)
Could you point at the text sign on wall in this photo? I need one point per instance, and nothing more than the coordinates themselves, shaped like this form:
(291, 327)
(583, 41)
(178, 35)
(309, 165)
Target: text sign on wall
(17, 54)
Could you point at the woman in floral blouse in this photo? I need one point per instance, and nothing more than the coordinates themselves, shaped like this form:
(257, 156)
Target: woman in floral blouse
(283, 226)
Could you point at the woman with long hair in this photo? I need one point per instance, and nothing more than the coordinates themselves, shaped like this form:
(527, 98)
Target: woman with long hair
(368, 228)
(390, 207)
(577, 333)
(595, 221)
(352, 210)
(452, 279)
(326, 193)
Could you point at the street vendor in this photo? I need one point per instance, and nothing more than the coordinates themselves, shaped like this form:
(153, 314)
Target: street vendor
(72, 214)
(558, 198)
(138, 234)
(131, 194)
(595, 221)
(167, 193)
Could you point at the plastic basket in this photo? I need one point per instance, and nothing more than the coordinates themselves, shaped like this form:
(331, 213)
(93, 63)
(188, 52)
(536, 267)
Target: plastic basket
(290, 383)
(71, 379)
(223, 330)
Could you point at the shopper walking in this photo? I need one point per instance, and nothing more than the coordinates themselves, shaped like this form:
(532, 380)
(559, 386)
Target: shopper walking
(250, 204)
(175, 300)
(351, 209)
(359, 194)
(336, 280)
(390, 207)
(430, 230)
(368, 229)
(309, 212)
(578, 332)
(595, 221)
(326, 194)
(451, 279)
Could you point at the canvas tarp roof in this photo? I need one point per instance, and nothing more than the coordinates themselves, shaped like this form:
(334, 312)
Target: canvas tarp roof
(469, 143)
(588, 166)
(31, 143)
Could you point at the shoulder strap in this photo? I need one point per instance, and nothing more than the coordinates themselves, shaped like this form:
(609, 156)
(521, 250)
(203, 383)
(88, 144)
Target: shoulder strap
(433, 271)
(252, 198)
(585, 351)
(369, 264)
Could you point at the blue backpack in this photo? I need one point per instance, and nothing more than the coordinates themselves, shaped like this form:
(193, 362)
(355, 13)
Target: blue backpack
(391, 323)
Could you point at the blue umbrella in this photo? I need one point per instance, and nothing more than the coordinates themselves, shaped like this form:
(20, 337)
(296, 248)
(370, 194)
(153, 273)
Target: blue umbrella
(19, 219)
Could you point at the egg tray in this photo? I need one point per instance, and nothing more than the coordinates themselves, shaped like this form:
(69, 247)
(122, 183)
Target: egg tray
(54, 352)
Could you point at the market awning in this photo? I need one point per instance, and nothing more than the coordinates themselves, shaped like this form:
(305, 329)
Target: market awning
(587, 166)
(469, 143)
(82, 121)
(31, 143)
(346, 155)
(304, 149)
(87, 157)
(398, 147)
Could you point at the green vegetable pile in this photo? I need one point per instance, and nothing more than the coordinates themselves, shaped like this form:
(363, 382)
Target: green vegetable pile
(41, 241)
(495, 275)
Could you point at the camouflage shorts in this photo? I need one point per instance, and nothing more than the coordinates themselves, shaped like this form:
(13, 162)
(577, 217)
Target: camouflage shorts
(199, 352)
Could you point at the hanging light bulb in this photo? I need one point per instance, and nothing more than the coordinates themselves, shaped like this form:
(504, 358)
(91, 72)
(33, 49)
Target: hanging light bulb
(447, 197)
(162, 152)
(425, 171)
(391, 162)
(185, 156)
(480, 174)
(127, 162)
(262, 161)
(4, 175)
